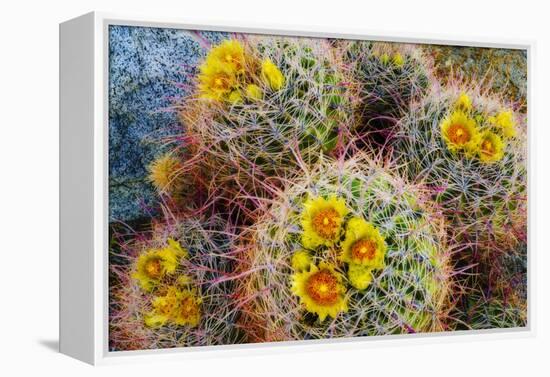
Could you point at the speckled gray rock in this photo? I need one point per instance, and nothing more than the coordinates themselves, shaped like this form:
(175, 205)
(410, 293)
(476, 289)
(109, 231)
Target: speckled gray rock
(147, 67)
(503, 70)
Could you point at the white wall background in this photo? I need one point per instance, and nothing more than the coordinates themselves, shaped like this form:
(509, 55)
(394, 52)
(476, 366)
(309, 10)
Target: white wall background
(29, 185)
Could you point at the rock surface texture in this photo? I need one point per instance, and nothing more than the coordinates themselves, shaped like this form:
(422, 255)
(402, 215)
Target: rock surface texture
(148, 68)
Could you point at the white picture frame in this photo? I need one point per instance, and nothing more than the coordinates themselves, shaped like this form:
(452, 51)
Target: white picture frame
(84, 191)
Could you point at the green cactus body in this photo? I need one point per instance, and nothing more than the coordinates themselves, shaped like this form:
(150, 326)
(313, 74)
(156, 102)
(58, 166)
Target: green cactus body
(200, 274)
(409, 293)
(483, 200)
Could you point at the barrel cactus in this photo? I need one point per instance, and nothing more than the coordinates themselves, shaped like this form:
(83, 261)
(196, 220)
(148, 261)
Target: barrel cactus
(262, 107)
(499, 297)
(169, 288)
(469, 149)
(388, 78)
(346, 250)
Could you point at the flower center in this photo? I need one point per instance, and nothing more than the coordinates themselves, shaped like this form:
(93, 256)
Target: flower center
(219, 82)
(188, 307)
(364, 249)
(322, 287)
(152, 268)
(326, 223)
(487, 147)
(458, 134)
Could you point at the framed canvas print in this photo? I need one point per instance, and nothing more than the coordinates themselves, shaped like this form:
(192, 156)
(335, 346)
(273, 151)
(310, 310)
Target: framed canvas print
(225, 188)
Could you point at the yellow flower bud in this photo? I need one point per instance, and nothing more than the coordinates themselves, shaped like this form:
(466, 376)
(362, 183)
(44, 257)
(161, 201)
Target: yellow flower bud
(254, 92)
(235, 97)
(398, 60)
(272, 75)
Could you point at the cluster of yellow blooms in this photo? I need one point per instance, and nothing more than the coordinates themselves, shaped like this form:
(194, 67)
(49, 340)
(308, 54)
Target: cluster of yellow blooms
(321, 287)
(477, 135)
(229, 74)
(174, 302)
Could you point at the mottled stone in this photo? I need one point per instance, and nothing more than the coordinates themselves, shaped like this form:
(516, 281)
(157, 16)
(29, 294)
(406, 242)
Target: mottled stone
(148, 69)
(504, 70)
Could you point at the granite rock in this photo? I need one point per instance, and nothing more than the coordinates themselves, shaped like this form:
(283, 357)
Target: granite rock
(149, 68)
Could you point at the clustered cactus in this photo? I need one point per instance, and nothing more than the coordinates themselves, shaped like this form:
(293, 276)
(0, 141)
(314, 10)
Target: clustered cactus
(322, 189)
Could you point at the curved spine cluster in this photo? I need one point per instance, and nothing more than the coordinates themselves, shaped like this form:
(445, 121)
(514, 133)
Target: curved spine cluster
(482, 194)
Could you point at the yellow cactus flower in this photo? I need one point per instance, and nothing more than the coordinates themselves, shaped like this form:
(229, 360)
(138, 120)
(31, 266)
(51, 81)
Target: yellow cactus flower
(491, 147)
(254, 92)
(272, 75)
(363, 244)
(229, 53)
(463, 102)
(163, 309)
(187, 311)
(505, 122)
(359, 276)
(398, 60)
(164, 173)
(460, 133)
(216, 80)
(301, 260)
(320, 290)
(322, 221)
(154, 264)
